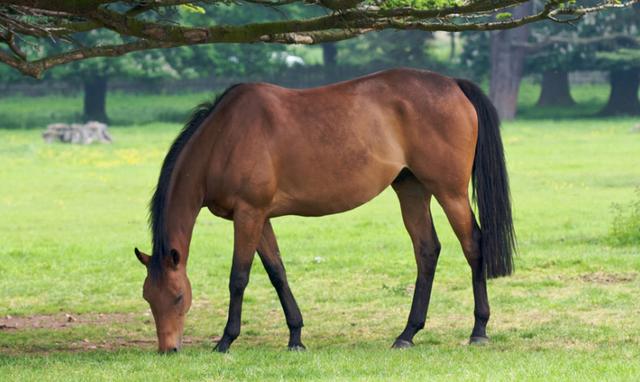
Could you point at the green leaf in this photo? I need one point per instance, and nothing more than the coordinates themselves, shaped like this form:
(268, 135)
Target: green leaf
(503, 16)
(192, 8)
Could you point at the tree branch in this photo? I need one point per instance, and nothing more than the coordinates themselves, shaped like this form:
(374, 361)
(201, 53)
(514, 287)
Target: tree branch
(65, 19)
(10, 40)
(37, 67)
(552, 40)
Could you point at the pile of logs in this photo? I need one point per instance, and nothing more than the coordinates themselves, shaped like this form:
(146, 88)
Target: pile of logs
(83, 134)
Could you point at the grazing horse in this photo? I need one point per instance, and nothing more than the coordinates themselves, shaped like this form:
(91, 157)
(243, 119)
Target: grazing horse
(261, 151)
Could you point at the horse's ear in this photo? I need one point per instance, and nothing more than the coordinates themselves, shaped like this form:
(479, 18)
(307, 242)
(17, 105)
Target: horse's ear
(144, 259)
(174, 259)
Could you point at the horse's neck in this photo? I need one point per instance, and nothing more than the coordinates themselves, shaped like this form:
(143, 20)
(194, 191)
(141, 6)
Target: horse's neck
(183, 205)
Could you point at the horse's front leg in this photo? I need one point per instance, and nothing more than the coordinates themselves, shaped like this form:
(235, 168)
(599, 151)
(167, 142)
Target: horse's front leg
(270, 256)
(247, 229)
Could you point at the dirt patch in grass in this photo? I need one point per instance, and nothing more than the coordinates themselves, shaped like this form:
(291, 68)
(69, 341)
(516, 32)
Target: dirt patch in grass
(608, 277)
(117, 331)
(63, 320)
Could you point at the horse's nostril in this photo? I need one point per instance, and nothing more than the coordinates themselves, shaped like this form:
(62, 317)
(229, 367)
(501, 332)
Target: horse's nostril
(175, 350)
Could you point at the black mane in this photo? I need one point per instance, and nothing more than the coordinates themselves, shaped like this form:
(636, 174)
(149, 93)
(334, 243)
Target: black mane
(157, 218)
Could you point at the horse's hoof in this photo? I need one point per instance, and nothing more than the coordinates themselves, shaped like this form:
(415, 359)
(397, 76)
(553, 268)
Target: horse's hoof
(297, 347)
(402, 344)
(221, 347)
(478, 340)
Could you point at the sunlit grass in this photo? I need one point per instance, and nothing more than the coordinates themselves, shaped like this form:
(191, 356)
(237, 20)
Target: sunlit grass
(70, 217)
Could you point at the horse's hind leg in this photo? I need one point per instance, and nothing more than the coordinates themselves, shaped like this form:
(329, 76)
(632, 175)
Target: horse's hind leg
(460, 215)
(247, 228)
(414, 204)
(270, 256)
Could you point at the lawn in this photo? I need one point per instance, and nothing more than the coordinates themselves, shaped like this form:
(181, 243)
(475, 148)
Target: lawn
(70, 217)
(124, 109)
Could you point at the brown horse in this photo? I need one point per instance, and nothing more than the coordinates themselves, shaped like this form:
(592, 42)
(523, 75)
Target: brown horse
(261, 151)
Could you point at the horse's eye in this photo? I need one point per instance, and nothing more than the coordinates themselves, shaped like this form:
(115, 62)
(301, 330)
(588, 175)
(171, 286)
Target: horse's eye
(178, 299)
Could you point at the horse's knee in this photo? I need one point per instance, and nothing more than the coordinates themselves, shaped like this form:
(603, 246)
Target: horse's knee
(430, 250)
(277, 276)
(238, 282)
(472, 248)
(437, 248)
(427, 259)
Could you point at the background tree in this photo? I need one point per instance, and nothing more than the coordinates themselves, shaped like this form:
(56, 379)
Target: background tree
(475, 55)
(95, 74)
(385, 49)
(145, 25)
(606, 42)
(553, 61)
(602, 42)
(619, 53)
(329, 59)
(507, 64)
(624, 76)
(180, 63)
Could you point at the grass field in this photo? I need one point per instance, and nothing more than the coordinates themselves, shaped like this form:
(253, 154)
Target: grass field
(70, 217)
(19, 112)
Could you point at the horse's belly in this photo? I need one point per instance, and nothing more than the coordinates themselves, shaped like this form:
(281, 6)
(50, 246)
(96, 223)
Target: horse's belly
(337, 164)
(319, 191)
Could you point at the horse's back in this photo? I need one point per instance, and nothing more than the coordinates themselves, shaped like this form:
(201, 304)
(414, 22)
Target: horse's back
(329, 149)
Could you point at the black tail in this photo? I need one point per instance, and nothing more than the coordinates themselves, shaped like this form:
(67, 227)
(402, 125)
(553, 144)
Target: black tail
(491, 186)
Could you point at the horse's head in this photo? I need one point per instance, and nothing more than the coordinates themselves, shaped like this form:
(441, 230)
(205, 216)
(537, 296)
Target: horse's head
(169, 295)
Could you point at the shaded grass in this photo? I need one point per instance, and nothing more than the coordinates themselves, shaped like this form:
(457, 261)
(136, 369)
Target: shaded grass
(125, 109)
(590, 98)
(72, 215)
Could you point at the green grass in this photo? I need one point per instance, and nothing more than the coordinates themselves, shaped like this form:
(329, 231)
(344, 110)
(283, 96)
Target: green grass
(70, 217)
(590, 98)
(22, 112)
(626, 225)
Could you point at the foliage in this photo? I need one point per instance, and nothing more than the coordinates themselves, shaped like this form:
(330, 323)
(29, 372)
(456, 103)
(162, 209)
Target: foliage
(476, 53)
(177, 63)
(143, 25)
(601, 42)
(626, 223)
(556, 56)
(621, 59)
(234, 60)
(418, 4)
(591, 45)
(387, 49)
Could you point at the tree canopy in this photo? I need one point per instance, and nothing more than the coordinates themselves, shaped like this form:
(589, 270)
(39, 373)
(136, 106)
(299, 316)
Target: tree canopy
(150, 24)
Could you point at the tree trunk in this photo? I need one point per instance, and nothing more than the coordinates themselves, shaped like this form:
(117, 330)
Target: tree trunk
(95, 99)
(555, 89)
(507, 62)
(329, 58)
(623, 98)
(452, 45)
